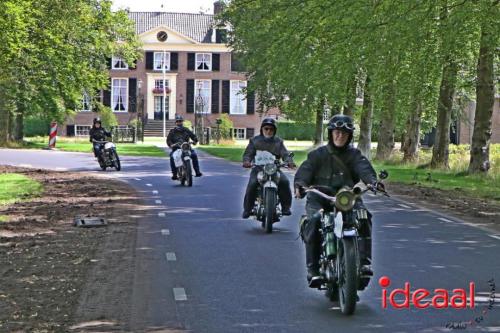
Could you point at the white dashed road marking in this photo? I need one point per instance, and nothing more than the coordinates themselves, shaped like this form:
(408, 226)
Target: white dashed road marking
(25, 165)
(404, 206)
(170, 256)
(61, 169)
(149, 184)
(158, 202)
(161, 214)
(165, 232)
(155, 192)
(137, 178)
(180, 294)
(444, 220)
(495, 236)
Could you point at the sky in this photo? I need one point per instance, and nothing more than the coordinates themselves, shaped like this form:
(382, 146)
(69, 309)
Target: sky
(180, 6)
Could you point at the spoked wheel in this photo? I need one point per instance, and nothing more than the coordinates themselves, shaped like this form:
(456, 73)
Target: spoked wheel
(347, 290)
(189, 173)
(116, 161)
(182, 175)
(270, 206)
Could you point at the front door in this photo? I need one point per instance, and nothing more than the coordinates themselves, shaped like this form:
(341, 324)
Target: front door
(158, 111)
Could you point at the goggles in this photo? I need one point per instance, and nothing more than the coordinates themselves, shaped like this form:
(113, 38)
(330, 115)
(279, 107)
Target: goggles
(343, 124)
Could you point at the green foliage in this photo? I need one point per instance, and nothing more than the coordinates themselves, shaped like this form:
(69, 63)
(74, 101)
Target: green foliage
(188, 124)
(108, 118)
(289, 130)
(225, 127)
(36, 126)
(17, 187)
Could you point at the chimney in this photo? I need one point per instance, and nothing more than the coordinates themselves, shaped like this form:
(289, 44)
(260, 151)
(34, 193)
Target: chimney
(218, 7)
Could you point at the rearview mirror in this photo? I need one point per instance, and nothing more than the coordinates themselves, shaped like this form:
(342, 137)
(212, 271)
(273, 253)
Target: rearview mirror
(383, 174)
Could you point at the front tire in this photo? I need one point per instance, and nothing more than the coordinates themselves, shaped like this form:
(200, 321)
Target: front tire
(189, 173)
(116, 161)
(347, 276)
(270, 209)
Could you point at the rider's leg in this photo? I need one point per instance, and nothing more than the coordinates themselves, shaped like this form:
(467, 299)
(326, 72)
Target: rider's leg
(172, 166)
(251, 193)
(285, 194)
(196, 164)
(365, 231)
(313, 240)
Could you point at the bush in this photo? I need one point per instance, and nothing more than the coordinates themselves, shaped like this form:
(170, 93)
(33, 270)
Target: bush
(108, 118)
(290, 130)
(36, 127)
(225, 127)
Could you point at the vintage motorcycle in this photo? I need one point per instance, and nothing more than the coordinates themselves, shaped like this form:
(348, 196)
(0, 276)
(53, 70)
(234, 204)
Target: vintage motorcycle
(267, 207)
(108, 157)
(340, 264)
(182, 160)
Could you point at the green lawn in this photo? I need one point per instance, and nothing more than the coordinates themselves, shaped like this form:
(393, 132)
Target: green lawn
(16, 187)
(454, 180)
(84, 146)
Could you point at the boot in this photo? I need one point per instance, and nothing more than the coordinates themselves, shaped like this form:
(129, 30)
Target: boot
(312, 262)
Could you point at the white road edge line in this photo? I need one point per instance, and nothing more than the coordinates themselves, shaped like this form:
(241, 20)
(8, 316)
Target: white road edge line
(161, 214)
(25, 165)
(61, 169)
(158, 202)
(180, 294)
(170, 256)
(495, 236)
(165, 232)
(404, 206)
(444, 220)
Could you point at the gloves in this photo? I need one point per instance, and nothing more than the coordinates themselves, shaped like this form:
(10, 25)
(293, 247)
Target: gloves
(300, 191)
(247, 164)
(378, 186)
(292, 165)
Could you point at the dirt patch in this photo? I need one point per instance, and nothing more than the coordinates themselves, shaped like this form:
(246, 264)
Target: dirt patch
(46, 262)
(479, 211)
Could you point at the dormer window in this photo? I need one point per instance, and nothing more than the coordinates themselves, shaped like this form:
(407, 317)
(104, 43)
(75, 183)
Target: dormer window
(118, 63)
(203, 61)
(161, 59)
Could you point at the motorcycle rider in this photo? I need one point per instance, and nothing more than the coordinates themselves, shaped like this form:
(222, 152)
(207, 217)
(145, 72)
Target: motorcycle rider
(334, 166)
(98, 133)
(175, 138)
(267, 141)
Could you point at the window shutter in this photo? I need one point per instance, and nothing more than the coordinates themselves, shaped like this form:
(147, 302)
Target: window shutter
(134, 65)
(70, 130)
(108, 63)
(236, 64)
(191, 61)
(220, 36)
(190, 96)
(250, 102)
(225, 96)
(132, 94)
(149, 60)
(174, 61)
(106, 97)
(215, 96)
(250, 133)
(215, 62)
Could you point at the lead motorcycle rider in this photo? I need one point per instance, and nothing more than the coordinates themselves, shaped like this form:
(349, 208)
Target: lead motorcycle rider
(98, 133)
(176, 136)
(267, 141)
(333, 166)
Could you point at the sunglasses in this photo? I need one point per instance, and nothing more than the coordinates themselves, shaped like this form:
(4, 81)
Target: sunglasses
(340, 124)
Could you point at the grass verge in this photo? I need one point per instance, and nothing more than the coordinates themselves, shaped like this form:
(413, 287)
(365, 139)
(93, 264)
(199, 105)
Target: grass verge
(17, 187)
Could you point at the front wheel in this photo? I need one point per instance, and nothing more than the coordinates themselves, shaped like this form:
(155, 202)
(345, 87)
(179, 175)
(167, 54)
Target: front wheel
(270, 209)
(189, 173)
(116, 161)
(347, 275)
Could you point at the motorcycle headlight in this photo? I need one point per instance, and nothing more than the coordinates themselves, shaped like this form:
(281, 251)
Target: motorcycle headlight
(345, 200)
(260, 176)
(270, 169)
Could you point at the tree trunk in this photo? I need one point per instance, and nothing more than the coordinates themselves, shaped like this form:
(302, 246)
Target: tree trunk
(18, 126)
(440, 150)
(365, 126)
(385, 143)
(412, 137)
(350, 103)
(318, 136)
(485, 99)
(4, 118)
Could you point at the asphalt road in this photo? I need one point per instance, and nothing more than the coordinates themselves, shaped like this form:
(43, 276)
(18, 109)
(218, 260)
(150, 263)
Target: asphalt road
(201, 268)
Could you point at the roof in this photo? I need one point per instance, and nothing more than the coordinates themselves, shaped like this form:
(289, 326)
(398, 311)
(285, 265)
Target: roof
(195, 26)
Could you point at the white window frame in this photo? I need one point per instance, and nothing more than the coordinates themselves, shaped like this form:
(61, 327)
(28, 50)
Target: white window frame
(203, 57)
(159, 83)
(208, 101)
(123, 66)
(86, 98)
(158, 57)
(84, 128)
(160, 98)
(238, 130)
(113, 94)
(242, 97)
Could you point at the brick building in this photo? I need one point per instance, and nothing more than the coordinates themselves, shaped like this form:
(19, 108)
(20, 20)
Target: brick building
(466, 128)
(185, 56)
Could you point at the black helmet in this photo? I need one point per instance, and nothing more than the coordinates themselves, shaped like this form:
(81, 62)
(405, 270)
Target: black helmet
(97, 120)
(269, 122)
(343, 123)
(179, 118)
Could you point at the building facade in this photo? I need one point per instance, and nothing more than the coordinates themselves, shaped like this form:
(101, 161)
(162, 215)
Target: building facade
(186, 69)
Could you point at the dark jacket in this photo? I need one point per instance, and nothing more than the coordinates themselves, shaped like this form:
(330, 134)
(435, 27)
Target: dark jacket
(324, 167)
(273, 145)
(99, 134)
(180, 135)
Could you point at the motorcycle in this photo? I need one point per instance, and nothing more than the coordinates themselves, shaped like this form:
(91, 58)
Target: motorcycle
(267, 207)
(340, 264)
(182, 160)
(108, 157)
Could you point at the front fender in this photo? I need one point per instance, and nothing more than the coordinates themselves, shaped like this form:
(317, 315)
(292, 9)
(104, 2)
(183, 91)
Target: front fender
(270, 183)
